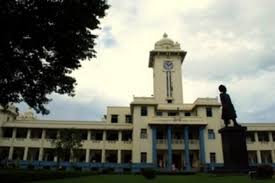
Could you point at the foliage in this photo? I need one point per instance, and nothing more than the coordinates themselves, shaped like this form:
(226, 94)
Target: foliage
(264, 172)
(148, 173)
(42, 42)
(18, 176)
(68, 142)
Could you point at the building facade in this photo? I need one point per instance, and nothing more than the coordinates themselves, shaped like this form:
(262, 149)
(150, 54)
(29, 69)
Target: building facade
(159, 131)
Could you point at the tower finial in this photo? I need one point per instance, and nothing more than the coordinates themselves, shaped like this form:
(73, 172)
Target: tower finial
(165, 35)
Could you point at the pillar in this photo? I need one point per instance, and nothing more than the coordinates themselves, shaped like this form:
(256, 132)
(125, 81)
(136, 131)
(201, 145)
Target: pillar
(103, 156)
(11, 153)
(87, 159)
(89, 135)
(14, 133)
(104, 136)
(40, 156)
(154, 145)
(25, 153)
(28, 133)
(273, 156)
(256, 137)
(186, 149)
(119, 136)
(119, 156)
(202, 145)
(55, 158)
(270, 137)
(259, 159)
(169, 144)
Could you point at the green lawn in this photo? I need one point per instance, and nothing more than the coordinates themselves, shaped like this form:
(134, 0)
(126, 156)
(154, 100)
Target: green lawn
(198, 178)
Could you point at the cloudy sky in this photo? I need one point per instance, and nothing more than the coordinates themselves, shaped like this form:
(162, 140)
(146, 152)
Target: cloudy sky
(230, 42)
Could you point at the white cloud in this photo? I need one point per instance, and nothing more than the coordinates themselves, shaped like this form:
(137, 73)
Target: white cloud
(229, 42)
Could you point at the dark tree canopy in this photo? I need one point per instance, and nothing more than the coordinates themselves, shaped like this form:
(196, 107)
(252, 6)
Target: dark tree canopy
(68, 142)
(41, 43)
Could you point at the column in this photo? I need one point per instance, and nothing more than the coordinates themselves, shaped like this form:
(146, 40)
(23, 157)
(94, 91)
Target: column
(256, 137)
(104, 136)
(259, 159)
(202, 145)
(273, 156)
(154, 145)
(55, 158)
(89, 135)
(103, 156)
(169, 144)
(119, 156)
(40, 156)
(11, 153)
(270, 137)
(87, 159)
(25, 153)
(14, 133)
(186, 149)
(103, 149)
(28, 133)
(119, 136)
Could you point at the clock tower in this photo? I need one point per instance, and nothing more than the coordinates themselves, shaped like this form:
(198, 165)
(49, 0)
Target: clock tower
(166, 60)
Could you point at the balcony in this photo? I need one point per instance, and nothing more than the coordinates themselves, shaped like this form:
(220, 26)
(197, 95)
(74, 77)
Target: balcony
(177, 144)
(177, 120)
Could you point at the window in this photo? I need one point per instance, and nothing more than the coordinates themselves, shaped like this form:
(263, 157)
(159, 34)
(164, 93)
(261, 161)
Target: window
(143, 111)
(159, 113)
(172, 113)
(7, 132)
(266, 156)
(114, 118)
(273, 136)
(21, 132)
(211, 134)
(143, 157)
(263, 136)
(112, 135)
(126, 135)
(36, 133)
(128, 119)
(187, 114)
(83, 134)
(212, 157)
(97, 135)
(169, 101)
(51, 134)
(250, 137)
(208, 111)
(143, 133)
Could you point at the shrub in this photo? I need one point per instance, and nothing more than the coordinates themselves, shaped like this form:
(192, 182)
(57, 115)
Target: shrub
(148, 173)
(264, 172)
(30, 167)
(107, 171)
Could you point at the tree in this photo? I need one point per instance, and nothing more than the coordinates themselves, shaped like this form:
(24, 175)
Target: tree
(41, 43)
(68, 143)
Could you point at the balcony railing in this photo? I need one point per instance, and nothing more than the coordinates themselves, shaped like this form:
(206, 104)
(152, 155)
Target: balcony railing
(177, 141)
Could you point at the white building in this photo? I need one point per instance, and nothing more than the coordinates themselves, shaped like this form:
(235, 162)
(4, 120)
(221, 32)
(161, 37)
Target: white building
(159, 131)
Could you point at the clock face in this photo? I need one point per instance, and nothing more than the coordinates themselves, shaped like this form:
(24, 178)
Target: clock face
(168, 65)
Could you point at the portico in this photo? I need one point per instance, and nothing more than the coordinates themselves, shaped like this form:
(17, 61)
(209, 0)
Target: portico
(178, 147)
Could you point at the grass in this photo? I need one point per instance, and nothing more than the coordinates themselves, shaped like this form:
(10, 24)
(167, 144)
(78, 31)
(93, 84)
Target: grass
(198, 178)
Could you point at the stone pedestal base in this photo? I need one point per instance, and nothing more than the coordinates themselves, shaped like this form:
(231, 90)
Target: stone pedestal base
(234, 148)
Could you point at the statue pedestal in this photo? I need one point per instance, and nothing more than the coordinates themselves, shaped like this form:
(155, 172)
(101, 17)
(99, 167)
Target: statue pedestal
(234, 148)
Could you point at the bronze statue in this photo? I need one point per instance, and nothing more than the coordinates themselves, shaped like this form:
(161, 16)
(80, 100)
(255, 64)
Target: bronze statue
(228, 111)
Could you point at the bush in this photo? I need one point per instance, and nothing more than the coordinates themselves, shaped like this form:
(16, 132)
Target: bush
(20, 176)
(30, 167)
(264, 172)
(148, 173)
(107, 171)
